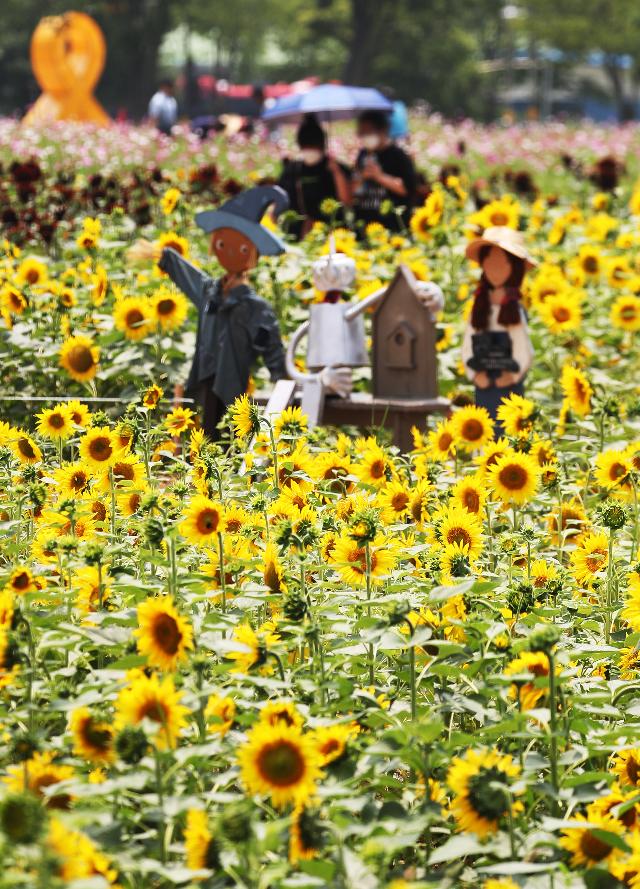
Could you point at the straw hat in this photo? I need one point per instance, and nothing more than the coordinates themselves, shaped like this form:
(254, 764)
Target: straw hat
(510, 240)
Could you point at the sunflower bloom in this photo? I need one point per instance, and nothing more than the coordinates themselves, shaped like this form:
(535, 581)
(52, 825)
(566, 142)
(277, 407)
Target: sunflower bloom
(281, 762)
(163, 635)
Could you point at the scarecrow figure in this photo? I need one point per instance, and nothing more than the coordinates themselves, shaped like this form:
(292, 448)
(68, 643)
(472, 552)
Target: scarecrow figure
(496, 349)
(235, 325)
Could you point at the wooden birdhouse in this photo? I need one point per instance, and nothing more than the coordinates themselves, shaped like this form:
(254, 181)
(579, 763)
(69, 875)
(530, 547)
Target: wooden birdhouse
(404, 343)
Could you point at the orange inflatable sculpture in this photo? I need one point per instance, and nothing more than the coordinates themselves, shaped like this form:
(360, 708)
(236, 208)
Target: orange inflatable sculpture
(67, 56)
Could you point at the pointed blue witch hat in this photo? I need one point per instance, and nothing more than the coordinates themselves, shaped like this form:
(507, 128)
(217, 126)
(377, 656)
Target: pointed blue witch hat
(243, 214)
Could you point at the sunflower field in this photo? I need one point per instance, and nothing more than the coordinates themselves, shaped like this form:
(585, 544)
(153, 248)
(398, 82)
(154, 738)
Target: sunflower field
(305, 659)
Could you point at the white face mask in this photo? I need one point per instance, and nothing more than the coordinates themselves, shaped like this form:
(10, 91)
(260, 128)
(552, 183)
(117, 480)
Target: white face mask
(311, 156)
(370, 142)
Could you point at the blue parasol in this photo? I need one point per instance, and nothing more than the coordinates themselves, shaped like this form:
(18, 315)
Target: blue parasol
(329, 101)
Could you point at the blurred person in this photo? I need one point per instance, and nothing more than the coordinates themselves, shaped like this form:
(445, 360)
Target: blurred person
(384, 175)
(163, 107)
(398, 117)
(313, 178)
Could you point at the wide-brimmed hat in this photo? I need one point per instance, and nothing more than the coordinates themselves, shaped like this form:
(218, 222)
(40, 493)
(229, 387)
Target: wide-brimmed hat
(510, 240)
(243, 214)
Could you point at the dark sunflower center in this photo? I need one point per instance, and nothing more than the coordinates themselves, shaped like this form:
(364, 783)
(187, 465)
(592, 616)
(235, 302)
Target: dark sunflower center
(134, 318)
(377, 469)
(487, 801)
(123, 472)
(472, 430)
(78, 481)
(562, 313)
(166, 633)
(80, 359)
(165, 306)
(21, 581)
(459, 535)
(33, 276)
(499, 218)
(592, 847)
(96, 736)
(57, 421)
(590, 264)
(471, 500)
(632, 770)
(153, 710)
(26, 448)
(513, 477)
(100, 448)
(281, 763)
(208, 521)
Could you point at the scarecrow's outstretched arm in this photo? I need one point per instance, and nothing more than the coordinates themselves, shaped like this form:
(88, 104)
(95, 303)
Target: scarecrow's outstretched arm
(184, 275)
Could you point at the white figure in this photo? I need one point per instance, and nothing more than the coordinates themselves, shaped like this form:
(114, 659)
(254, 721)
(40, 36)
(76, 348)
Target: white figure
(336, 335)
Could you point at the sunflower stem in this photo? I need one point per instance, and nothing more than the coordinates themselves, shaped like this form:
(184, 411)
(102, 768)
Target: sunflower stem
(412, 670)
(223, 584)
(609, 608)
(367, 553)
(160, 792)
(553, 730)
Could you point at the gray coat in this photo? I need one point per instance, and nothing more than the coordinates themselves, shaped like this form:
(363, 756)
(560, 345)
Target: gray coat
(233, 330)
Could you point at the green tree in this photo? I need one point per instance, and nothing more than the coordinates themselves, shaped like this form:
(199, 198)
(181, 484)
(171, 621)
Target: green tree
(579, 27)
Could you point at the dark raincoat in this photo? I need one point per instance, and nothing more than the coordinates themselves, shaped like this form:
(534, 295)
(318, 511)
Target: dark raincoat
(233, 332)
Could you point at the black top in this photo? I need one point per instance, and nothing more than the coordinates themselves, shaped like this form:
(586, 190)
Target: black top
(369, 195)
(233, 331)
(307, 187)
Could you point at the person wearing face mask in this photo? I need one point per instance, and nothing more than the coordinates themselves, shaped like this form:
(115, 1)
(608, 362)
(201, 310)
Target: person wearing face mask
(311, 178)
(384, 173)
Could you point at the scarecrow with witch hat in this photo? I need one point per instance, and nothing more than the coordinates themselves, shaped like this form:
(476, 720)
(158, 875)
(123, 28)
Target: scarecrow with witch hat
(496, 350)
(235, 325)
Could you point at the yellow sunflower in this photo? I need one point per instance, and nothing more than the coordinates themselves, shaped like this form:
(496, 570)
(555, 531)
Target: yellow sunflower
(350, 559)
(146, 698)
(55, 423)
(478, 805)
(92, 738)
(169, 309)
(31, 271)
(281, 762)
(22, 581)
(25, 448)
(331, 741)
(245, 417)
(40, 773)
(174, 242)
(456, 525)
(561, 312)
(613, 473)
(514, 477)
(470, 493)
(394, 499)
(254, 647)
(98, 448)
(626, 765)
(535, 664)
(163, 634)
(219, 714)
(517, 415)
(441, 441)
(200, 845)
(133, 317)
(152, 396)
(591, 557)
(472, 428)
(625, 312)
(373, 467)
(179, 420)
(588, 845)
(202, 520)
(577, 390)
(79, 356)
